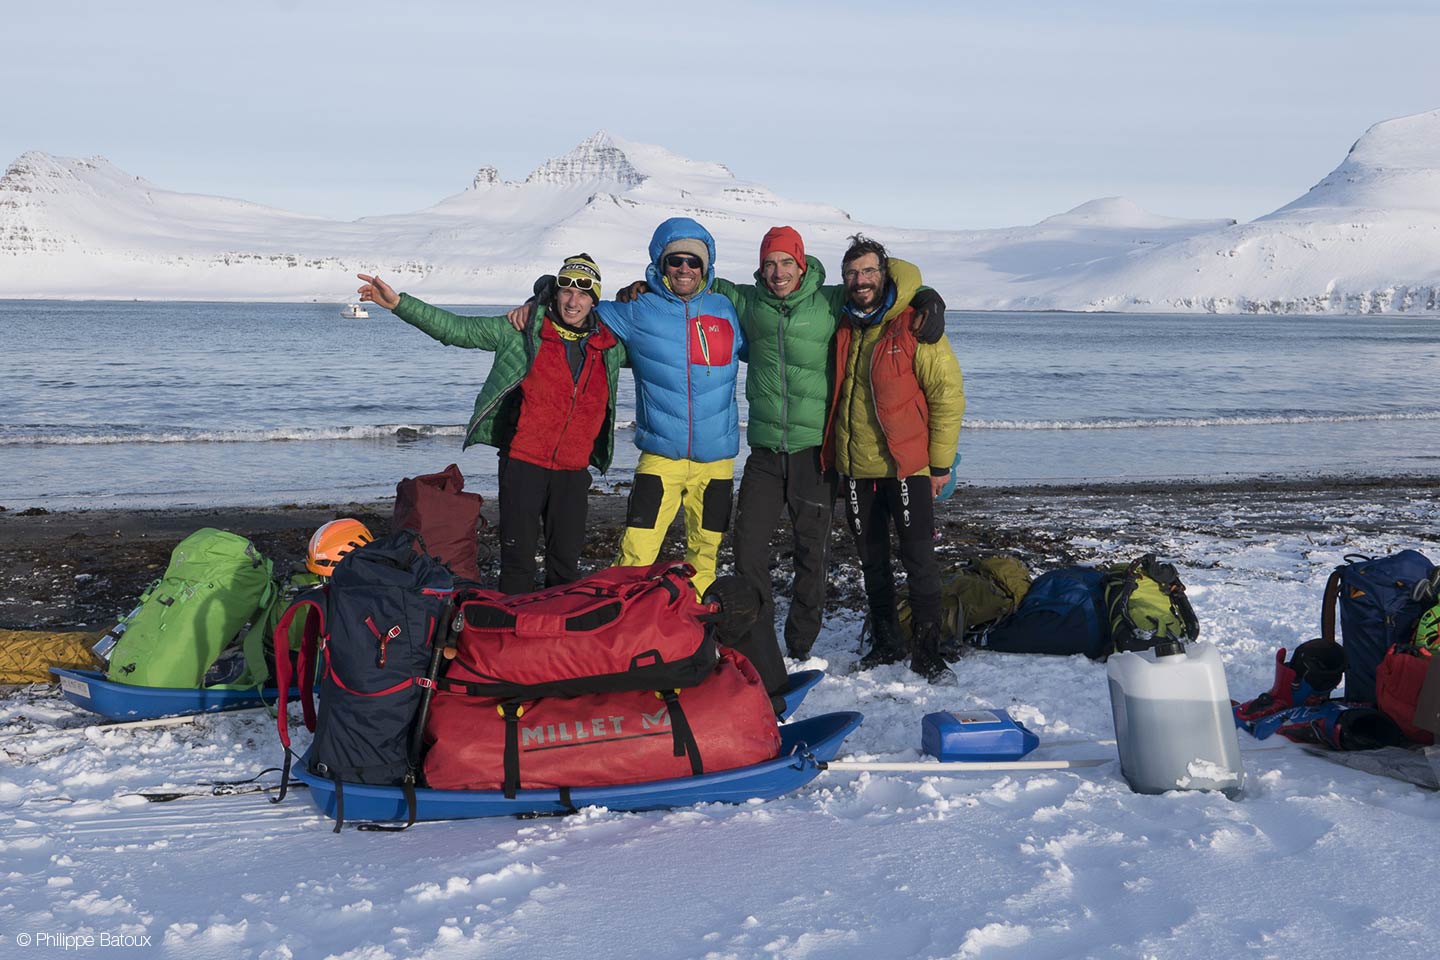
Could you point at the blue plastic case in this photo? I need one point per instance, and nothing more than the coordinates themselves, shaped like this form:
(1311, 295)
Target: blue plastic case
(975, 735)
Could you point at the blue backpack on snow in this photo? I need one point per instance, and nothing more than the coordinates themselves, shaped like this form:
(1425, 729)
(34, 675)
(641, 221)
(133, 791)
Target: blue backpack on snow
(1062, 614)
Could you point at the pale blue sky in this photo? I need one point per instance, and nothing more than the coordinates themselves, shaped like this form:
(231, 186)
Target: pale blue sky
(952, 115)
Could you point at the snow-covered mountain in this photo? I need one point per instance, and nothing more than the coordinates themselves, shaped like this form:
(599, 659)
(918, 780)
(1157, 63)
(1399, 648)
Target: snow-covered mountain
(1365, 238)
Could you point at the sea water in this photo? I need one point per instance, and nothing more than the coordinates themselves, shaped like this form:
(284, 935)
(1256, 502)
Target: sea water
(166, 404)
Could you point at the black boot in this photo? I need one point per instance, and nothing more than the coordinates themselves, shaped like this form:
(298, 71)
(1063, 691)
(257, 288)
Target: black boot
(925, 658)
(886, 644)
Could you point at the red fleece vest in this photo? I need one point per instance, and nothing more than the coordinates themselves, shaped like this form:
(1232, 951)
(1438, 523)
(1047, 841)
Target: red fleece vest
(900, 404)
(560, 417)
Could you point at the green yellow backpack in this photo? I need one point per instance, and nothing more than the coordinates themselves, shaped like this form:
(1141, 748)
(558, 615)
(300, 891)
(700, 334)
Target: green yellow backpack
(975, 595)
(1145, 603)
(215, 589)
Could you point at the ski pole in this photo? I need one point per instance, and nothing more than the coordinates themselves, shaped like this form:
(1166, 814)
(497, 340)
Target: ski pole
(958, 768)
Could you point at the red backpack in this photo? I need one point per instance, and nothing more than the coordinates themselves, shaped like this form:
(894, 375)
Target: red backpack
(1398, 681)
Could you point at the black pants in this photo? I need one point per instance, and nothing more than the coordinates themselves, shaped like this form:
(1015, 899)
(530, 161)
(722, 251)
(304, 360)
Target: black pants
(871, 506)
(795, 482)
(533, 499)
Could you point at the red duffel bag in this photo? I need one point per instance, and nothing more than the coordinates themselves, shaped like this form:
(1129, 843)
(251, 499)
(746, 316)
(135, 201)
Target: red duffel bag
(480, 743)
(624, 628)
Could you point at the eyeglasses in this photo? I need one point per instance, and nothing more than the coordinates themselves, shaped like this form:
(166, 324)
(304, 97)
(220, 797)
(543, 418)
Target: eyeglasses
(579, 283)
(677, 260)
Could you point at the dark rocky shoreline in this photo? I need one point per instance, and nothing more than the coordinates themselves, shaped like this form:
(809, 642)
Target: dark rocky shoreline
(82, 569)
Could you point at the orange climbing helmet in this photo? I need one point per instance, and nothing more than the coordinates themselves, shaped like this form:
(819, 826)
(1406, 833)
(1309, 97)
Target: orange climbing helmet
(332, 541)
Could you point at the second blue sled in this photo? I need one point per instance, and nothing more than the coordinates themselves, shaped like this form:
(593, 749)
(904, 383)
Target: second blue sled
(122, 701)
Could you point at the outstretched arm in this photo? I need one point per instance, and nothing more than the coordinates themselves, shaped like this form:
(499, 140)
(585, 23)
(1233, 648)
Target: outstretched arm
(481, 333)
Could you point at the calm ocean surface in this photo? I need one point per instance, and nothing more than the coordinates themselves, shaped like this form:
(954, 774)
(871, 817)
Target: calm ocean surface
(164, 404)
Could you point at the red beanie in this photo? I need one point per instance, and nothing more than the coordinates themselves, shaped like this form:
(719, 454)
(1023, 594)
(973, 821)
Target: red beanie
(784, 240)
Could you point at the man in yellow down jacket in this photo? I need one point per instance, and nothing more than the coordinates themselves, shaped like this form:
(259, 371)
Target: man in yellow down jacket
(893, 429)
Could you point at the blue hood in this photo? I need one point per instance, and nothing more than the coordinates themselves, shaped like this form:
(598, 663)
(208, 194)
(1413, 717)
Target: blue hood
(677, 228)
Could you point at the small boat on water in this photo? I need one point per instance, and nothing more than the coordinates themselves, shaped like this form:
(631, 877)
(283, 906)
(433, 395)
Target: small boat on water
(355, 312)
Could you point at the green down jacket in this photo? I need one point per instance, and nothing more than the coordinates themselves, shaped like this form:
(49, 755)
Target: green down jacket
(498, 403)
(788, 377)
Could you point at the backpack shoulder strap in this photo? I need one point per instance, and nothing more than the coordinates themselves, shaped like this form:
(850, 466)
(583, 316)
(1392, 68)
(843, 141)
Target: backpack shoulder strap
(254, 643)
(314, 629)
(1328, 605)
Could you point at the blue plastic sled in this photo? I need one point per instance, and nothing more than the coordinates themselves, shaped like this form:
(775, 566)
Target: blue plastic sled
(121, 701)
(802, 744)
(799, 684)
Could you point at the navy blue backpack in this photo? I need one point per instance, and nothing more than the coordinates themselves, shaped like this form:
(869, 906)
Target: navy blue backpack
(1377, 608)
(374, 635)
(1063, 613)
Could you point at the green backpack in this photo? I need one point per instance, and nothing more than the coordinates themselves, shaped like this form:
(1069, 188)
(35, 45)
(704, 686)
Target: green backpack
(216, 586)
(976, 594)
(1146, 605)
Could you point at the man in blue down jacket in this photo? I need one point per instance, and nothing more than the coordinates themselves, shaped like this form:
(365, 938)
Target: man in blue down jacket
(684, 343)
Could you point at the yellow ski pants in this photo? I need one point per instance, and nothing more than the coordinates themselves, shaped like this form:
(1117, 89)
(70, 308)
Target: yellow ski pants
(661, 485)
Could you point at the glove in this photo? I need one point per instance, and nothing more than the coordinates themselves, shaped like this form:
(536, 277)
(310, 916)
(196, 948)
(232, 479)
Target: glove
(929, 309)
(1308, 679)
(739, 604)
(633, 291)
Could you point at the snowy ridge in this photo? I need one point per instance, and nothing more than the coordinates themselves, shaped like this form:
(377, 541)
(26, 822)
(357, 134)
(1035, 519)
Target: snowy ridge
(1364, 239)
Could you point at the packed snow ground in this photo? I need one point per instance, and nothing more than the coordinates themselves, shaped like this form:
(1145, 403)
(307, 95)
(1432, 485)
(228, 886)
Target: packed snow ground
(1314, 861)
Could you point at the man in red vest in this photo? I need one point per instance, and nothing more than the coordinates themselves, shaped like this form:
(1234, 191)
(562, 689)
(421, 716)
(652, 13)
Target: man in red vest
(893, 428)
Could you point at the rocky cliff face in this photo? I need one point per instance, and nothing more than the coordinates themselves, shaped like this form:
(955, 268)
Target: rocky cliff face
(596, 159)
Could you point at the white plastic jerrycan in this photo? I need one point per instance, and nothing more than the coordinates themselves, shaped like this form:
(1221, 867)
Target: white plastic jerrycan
(1173, 722)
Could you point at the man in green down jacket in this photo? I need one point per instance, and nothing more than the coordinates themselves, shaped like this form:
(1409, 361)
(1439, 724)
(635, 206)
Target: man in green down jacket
(548, 405)
(789, 317)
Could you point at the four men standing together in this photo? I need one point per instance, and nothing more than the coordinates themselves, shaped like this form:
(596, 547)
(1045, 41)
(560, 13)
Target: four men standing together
(857, 379)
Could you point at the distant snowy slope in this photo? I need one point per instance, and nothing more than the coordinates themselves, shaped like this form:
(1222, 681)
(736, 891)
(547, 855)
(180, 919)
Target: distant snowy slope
(1365, 238)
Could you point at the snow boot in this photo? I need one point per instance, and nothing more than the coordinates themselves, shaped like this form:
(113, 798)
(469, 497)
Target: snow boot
(886, 644)
(1308, 679)
(925, 658)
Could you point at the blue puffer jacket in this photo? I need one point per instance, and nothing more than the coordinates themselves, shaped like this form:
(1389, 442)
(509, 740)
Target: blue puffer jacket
(684, 354)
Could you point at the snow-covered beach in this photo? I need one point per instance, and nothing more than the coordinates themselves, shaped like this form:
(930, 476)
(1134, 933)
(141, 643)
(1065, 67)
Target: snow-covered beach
(1314, 860)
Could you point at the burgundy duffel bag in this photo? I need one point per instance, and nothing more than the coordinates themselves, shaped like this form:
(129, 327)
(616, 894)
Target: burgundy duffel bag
(437, 507)
(481, 743)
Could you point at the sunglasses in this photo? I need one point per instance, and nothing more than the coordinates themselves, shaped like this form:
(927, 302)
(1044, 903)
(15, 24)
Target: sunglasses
(579, 283)
(676, 260)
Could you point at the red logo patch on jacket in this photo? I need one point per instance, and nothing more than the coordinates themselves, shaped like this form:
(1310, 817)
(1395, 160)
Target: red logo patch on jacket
(712, 341)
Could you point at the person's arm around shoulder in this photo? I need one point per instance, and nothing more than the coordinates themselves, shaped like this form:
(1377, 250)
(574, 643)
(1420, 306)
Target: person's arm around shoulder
(938, 372)
(483, 333)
